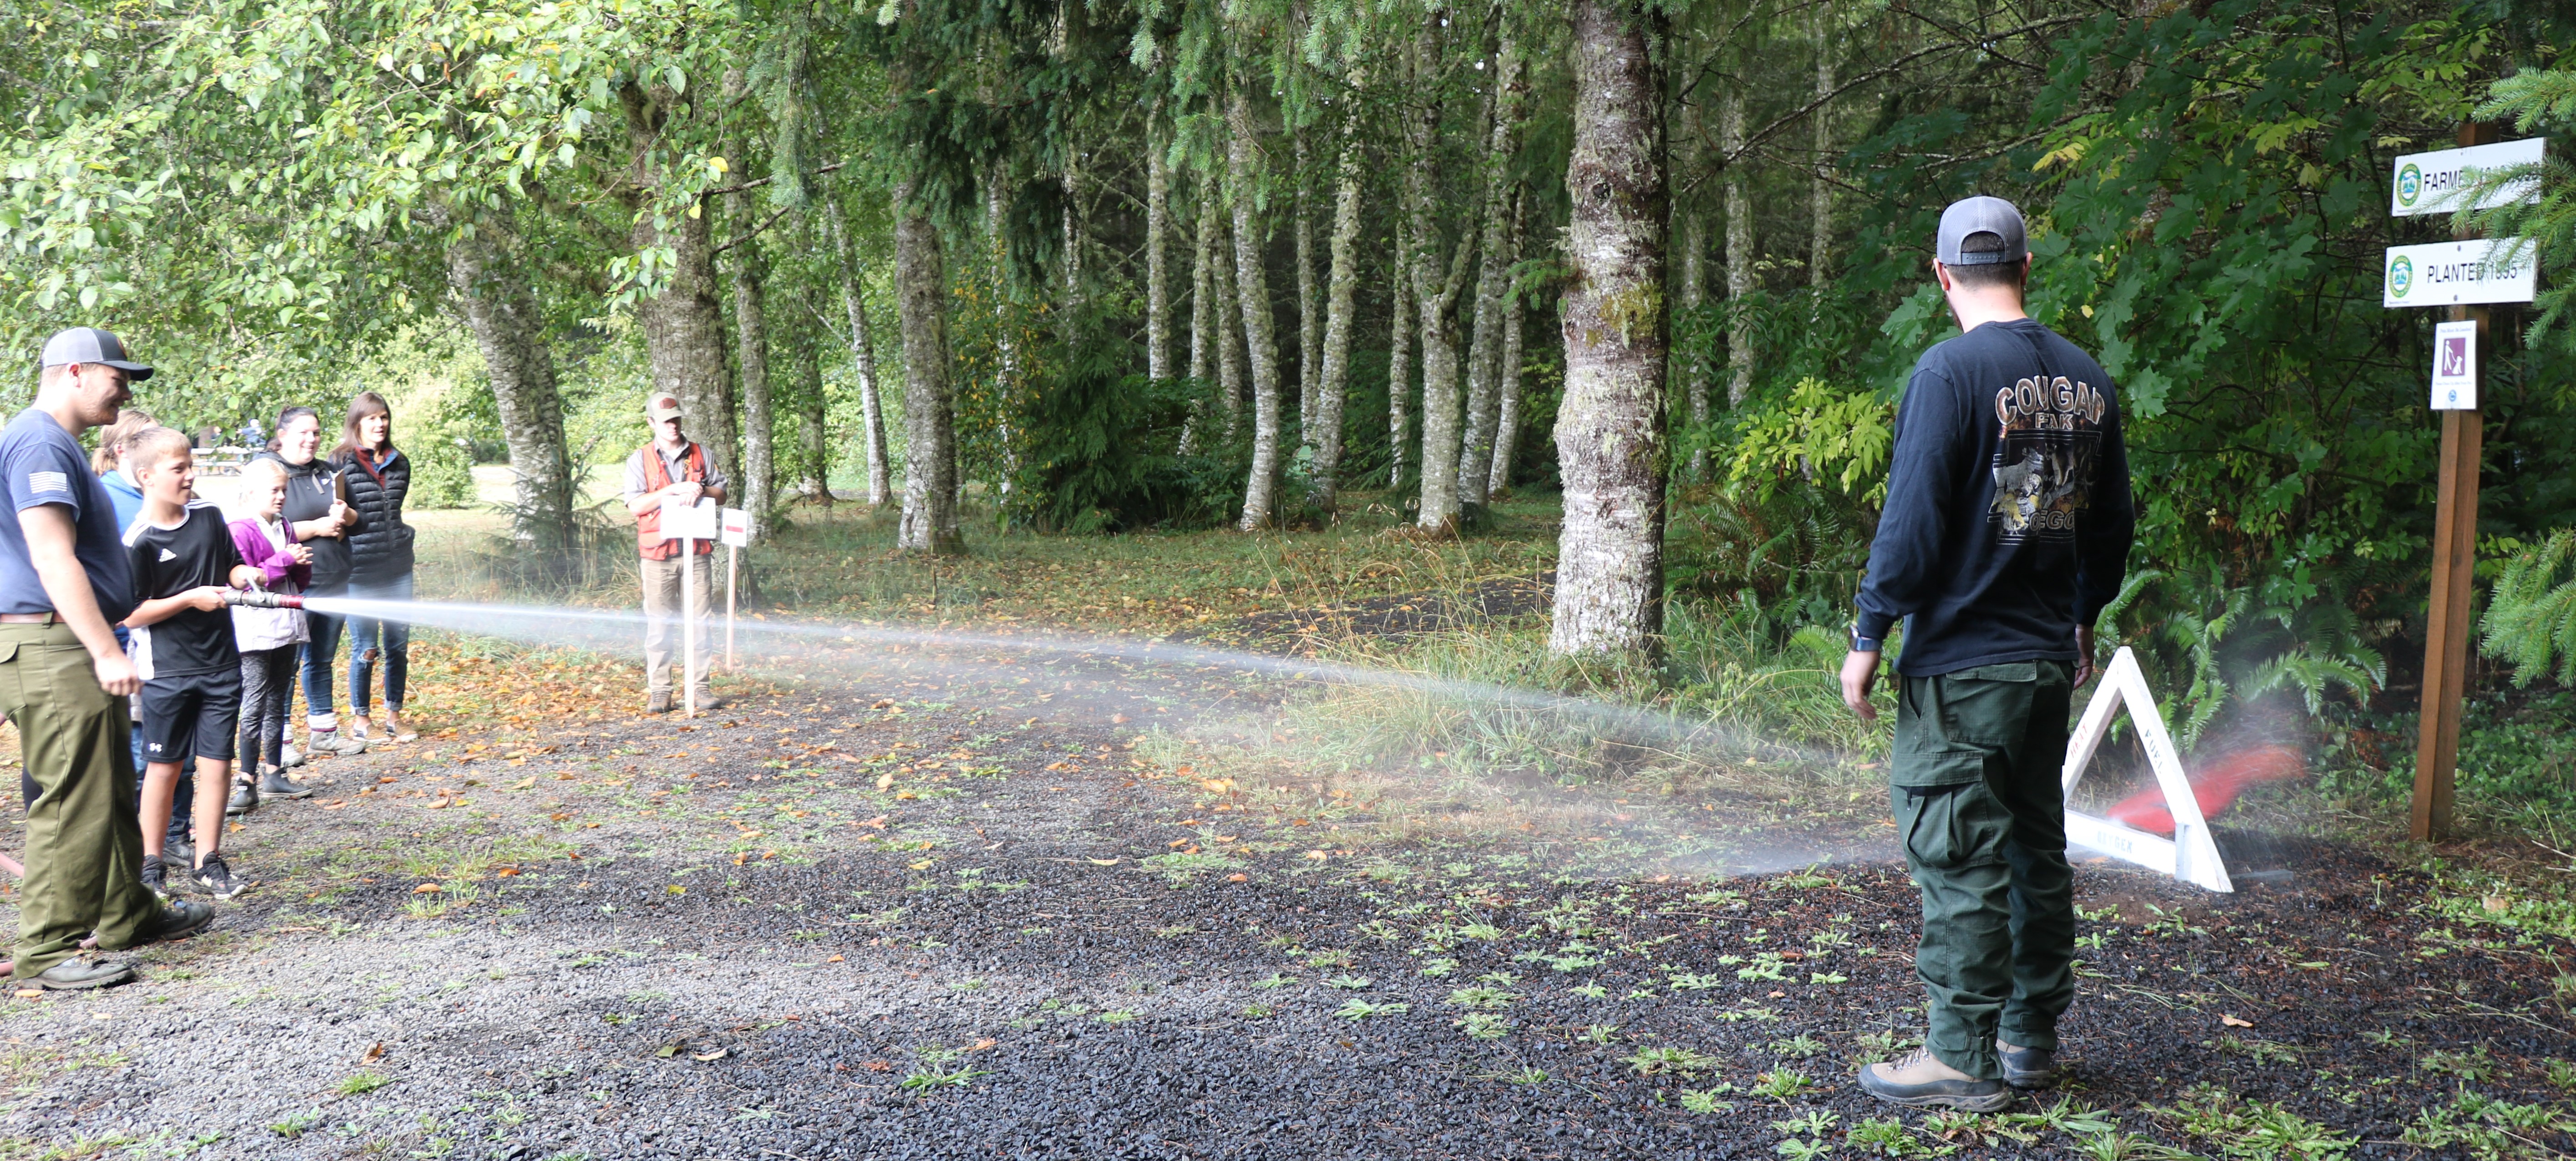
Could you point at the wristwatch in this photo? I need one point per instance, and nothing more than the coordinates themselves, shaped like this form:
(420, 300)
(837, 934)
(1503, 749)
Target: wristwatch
(1862, 644)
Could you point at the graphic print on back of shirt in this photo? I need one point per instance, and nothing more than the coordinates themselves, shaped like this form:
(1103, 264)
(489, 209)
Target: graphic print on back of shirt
(2045, 460)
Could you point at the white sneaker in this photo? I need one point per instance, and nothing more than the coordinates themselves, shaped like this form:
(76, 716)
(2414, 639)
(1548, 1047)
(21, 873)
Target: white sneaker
(336, 744)
(289, 757)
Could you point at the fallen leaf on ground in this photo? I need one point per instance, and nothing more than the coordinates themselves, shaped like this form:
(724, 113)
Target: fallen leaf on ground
(427, 889)
(1104, 862)
(374, 1053)
(718, 1054)
(2233, 1022)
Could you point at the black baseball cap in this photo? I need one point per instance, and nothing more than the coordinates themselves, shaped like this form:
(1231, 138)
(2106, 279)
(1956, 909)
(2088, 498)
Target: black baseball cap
(1981, 215)
(92, 345)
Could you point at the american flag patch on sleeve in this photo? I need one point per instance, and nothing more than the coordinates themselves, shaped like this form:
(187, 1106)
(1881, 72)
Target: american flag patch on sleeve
(40, 482)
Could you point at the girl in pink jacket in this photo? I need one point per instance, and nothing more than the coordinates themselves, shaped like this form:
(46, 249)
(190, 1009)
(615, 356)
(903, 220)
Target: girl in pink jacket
(268, 637)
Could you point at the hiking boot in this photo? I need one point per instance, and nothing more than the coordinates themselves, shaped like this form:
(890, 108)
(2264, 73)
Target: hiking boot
(181, 919)
(245, 799)
(218, 879)
(74, 974)
(334, 744)
(1919, 1080)
(2027, 1067)
(275, 784)
(708, 705)
(290, 757)
(156, 876)
(658, 703)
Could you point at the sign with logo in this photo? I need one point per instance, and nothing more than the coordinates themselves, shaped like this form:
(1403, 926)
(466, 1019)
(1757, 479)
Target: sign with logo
(2460, 273)
(737, 528)
(2434, 183)
(693, 521)
(2455, 366)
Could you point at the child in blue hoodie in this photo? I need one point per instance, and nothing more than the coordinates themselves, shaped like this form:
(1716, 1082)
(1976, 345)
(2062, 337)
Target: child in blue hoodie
(127, 498)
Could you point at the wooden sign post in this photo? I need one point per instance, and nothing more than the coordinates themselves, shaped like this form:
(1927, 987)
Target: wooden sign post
(689, 524)
(736, 536)
(2464, 277)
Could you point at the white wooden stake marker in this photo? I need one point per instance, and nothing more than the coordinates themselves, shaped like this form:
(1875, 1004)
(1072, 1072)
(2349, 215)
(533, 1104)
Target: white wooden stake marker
(688, 524)
(736, 535)
(2190, 855)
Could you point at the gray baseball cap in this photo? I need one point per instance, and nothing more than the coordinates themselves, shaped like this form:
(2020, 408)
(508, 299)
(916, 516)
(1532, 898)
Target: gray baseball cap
(92, 345)
(1981, 215)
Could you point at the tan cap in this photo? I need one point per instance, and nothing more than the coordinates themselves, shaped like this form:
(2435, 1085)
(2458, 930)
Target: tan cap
(661, 405)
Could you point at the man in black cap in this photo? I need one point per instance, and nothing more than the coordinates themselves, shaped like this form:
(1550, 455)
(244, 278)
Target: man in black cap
(2006, 532)
(63, 678)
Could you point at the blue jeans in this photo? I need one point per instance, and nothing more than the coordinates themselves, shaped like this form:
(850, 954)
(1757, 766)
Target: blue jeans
(320, 654)
(369, 638)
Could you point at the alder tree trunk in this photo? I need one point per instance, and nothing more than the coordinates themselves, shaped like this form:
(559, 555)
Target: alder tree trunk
(1690, 293)
(1229, 334)
(484, 272)
(1435, 300)
(1261, 491)
(1310, 320)
(1158, 228)
(1507, 421)
(1332, 382)
(1007, 376)
(751, 361)
(863, 359)
(683, 324)
(929, 521)
(1399, 358)
(1203, 311)
(1610, 431)
(814, 435)
(1493, 278)
(1739, 249)
(1820, 189)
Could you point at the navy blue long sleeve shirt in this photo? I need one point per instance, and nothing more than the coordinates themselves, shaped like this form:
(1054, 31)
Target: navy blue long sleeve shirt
(2008, 516)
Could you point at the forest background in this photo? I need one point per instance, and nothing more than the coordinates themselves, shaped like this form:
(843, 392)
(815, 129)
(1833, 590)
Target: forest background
(1156, 268)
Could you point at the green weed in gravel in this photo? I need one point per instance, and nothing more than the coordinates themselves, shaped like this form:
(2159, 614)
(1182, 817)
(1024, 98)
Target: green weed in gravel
(360, 1084)
(1671, 1061)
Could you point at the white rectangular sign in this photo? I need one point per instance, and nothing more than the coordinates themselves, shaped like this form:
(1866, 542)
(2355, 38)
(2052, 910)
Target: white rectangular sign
(683, 520)
(2458, 273)
(2455, 366)
(2433, 183)
(737, 528)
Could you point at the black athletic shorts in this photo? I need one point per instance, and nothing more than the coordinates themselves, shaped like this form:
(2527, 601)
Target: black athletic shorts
(189, 715)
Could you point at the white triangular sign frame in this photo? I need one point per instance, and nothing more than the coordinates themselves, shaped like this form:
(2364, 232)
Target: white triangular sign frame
(2190, 855)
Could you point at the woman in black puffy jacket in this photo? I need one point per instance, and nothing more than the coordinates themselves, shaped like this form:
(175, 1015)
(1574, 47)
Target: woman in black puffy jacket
(380, 558)
(317, 505)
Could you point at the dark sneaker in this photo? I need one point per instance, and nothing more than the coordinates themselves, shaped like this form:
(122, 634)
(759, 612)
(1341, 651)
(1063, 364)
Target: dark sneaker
(181, 919)
(156, 875)
(218, 879)
(73, 974)
(1919, 1080)
(178, 852)
(659, 703)
(275, 784)
(245, 799)
(2027, 1067)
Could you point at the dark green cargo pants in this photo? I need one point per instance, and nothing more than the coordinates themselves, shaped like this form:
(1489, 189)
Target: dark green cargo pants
(1975, 782)
(84, 846)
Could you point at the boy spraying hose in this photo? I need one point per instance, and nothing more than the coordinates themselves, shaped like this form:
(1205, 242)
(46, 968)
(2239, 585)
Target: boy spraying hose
(180, 635)
(2007, 530)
